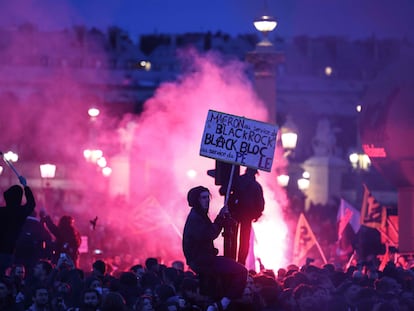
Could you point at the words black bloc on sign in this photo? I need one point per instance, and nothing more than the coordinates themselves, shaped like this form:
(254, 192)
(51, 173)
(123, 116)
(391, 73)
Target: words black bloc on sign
(239, 140)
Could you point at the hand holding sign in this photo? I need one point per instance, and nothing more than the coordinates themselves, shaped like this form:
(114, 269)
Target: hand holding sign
(239, 140)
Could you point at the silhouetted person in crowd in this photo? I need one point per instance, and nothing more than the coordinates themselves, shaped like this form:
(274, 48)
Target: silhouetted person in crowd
(7, 300)
(34, 243)
(91, 301)
(246, 204)
(40, 298)
(12, 218)
(201, 255)
(68, 238)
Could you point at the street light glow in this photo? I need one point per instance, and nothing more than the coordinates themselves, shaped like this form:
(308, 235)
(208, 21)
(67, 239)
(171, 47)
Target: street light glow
(360, 161)
(265, 24)
(107, 171)
(289, 140)
(303, 183)
(101, 162)
(191, 174)
(92, 155)
(328, 70)
(47, 170)
(283, 180)
(11, 156)
(93, 112)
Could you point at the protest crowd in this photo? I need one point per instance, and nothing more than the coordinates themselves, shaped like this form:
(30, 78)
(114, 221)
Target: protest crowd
(155, 286)
(37, 277)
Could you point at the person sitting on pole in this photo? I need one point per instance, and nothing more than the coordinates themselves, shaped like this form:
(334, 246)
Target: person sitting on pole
(201, 255)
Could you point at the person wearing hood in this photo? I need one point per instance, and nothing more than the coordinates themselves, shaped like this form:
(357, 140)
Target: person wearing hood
(12, 218)
(201, 255)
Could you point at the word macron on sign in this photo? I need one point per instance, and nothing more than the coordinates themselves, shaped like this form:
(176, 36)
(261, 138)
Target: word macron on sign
(239, 140)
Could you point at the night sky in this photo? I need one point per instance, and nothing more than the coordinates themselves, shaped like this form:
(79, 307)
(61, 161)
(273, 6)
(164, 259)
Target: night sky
(350, 18)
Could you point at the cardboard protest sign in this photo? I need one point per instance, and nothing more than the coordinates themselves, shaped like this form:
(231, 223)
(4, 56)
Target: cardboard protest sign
(239, 140)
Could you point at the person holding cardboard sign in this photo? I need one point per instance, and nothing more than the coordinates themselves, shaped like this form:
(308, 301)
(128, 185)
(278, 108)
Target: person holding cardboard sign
(199, 234)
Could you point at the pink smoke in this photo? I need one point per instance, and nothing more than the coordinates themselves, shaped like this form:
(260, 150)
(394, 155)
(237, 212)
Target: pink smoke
(155, 158)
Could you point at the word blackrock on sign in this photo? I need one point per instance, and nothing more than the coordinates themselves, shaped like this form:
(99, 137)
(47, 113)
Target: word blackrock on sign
(239, 141)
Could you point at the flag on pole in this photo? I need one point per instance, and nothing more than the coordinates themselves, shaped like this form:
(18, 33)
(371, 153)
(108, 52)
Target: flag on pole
(392, 230)
(373, 214)
(304, 240)
(347, 214)
(348, 220)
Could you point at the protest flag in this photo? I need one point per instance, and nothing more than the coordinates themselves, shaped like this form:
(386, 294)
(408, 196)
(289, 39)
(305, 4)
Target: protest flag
(348, 220)
(373, 214)
(304, 241)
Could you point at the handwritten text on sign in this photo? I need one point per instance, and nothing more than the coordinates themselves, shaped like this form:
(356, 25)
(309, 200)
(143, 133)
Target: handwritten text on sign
(238, 140)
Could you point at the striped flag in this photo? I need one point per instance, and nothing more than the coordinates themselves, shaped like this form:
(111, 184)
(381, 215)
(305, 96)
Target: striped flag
(373, 214)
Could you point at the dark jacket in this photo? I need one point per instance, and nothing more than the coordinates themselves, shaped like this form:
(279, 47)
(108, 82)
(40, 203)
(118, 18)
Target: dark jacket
(13, 216)
(34, 243)
(199, 234)
(246, 203)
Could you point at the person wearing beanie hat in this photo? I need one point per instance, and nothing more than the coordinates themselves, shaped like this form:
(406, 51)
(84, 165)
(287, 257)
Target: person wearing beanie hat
(12, 218)
(201, 255)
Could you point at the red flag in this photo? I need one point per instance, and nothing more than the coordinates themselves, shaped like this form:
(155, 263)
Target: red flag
(392, 230)
(304, 240)
(373, 214)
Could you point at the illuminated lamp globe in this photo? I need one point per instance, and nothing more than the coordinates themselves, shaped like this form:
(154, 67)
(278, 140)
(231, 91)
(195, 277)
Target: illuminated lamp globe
(289, 140)
(93, 112)
(47, 170)
(265, 24)
(283, 180)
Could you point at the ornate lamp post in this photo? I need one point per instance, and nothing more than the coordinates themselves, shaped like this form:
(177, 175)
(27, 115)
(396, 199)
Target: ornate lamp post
(264, 59)
(47, 172)
(11, 157)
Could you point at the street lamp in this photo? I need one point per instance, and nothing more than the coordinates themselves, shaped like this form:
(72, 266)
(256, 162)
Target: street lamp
(47, 171)
(289, 137)
(283, 180)
(92, 155)
(93, 112)
(11, 156)
(106, 171)
(265, 24)
(264, 60)
(359, 161)
(289, 140)
(304, 182)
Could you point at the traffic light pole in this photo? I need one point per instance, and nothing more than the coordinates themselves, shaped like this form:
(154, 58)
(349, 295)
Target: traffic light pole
(230, 227)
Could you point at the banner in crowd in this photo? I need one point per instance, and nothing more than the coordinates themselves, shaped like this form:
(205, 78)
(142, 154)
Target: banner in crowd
(238, 140)
(304, 241)
(347, 214)
(348, 220)
(373, 214)
(392, 230)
